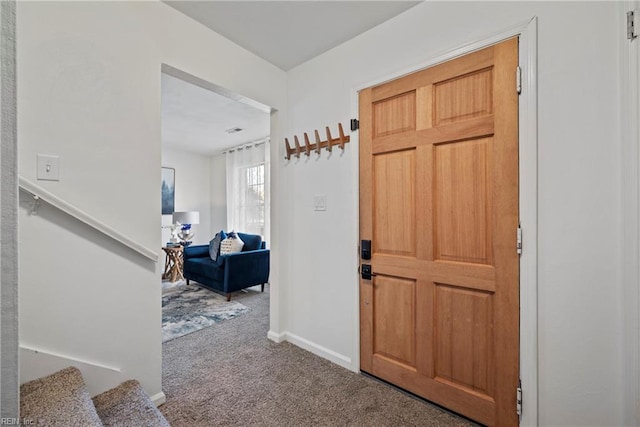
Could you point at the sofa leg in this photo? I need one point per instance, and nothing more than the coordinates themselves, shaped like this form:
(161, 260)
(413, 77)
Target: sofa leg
(262, 288)
(228, 297)
(187, 282)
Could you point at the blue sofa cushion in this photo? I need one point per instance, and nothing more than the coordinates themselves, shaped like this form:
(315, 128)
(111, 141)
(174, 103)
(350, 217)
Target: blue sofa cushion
(206, 267)
(214, 244)
(196, 251)
(220, 261)
(252, 242)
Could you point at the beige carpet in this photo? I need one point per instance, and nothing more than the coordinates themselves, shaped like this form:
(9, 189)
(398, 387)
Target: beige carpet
(230, 374)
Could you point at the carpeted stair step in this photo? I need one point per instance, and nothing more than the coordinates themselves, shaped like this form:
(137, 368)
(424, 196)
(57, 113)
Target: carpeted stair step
(128, 405)
(60, 399)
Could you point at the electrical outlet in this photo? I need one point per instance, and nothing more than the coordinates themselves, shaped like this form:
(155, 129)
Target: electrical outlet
(48, 168)
(320, 203)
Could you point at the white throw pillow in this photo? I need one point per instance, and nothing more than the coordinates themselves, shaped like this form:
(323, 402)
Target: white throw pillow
(231, 245)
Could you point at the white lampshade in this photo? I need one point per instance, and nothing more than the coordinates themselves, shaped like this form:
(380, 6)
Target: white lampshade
(186, 217)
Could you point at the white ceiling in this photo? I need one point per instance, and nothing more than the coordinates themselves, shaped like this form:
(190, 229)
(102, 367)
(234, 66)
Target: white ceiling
(195, 119)
(288, 33)
(285, 33)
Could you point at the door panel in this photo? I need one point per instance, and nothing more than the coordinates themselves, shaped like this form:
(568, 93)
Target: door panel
(394, 115)
(394, 303)
(464, 335)
(394, 180)
(453, 103)
(439, 200)
(463, 202)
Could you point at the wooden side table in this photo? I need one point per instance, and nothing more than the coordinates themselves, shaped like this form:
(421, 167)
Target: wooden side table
(173, 263)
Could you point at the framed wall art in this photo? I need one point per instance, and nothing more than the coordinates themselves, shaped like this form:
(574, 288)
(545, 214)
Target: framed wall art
(168, 190)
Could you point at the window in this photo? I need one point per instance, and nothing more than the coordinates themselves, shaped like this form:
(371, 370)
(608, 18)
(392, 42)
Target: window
(254, 200)
(246, 189)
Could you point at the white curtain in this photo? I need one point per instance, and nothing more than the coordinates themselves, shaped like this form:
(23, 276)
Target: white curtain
(246, 187)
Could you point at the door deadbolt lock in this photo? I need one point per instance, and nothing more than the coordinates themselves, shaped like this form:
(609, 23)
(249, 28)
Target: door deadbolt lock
(365, 249)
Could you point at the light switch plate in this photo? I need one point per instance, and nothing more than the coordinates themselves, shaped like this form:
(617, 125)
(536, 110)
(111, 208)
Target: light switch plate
(320, 203)
(48, 167)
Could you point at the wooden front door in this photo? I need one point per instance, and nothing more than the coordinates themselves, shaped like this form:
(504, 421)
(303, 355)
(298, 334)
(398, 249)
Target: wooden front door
(439, 202)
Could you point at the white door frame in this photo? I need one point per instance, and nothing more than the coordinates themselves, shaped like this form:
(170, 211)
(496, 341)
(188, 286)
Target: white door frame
(528, 205)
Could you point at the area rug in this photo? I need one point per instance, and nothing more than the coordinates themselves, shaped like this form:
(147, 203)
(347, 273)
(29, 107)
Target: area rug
(189, 308)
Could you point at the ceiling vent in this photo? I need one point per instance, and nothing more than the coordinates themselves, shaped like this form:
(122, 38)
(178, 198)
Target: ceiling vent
(234, 130)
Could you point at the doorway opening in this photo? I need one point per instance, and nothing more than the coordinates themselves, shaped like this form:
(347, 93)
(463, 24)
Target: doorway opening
(215, 203)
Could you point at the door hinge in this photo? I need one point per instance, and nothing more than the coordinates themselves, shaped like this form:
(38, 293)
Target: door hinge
(519, 240)
(632, 27)
(519, 80)
(355, 125)
(519, 399)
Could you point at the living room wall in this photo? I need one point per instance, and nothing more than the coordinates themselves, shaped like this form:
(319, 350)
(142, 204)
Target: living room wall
(192, 190)
(89, 91)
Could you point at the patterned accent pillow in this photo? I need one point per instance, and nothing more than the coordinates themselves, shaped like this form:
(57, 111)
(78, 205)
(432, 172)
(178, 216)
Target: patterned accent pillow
(231, 244)
(214, 245)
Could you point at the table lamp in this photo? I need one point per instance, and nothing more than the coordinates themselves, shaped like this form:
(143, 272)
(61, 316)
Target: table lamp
(185, 220)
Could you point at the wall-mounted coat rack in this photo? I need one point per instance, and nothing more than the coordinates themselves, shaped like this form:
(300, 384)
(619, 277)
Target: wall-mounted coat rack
(318, 145)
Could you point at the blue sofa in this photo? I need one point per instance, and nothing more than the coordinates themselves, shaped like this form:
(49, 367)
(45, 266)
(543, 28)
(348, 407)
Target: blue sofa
(231, 272)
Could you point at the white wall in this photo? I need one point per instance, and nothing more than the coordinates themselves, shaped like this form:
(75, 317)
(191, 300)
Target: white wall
(86, 297)
(218, 193)
(89, 91)
(579, 202)
(193, 190)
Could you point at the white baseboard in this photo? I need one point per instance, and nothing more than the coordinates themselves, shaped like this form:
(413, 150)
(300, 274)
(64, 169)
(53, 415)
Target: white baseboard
(318, 350)
(275, 337)
(36, 363)
(159, 399)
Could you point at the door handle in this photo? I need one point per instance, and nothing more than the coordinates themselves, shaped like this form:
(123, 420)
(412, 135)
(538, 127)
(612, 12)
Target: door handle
(365, 272)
